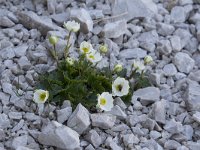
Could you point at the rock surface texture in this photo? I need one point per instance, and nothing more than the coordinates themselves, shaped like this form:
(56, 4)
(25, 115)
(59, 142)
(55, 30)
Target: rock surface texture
(165, 115)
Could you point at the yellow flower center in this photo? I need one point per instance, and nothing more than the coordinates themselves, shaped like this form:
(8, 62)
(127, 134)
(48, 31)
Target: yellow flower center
(85, 49)
(43, 96)
(91, 56)
(103, 101)
(118, 87)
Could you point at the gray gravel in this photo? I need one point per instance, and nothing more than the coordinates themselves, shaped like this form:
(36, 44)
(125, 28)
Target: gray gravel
(163, 116)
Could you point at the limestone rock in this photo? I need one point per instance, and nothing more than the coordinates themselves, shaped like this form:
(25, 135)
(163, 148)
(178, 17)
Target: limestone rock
(84, 18)
(132, 53)
(60, 136)
(103, 120)
(115, 29)
(183, 62)
(33, 21)
(80, 119)
(146, 95)
(131, 9)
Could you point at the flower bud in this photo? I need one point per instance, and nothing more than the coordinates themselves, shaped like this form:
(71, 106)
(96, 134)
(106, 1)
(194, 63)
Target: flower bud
(53, 39)
(70, 61)
(148, 59)
(103, 48)
(118, 68)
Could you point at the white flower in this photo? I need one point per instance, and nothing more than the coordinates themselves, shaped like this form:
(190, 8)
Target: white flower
(94, 56)
(40, 96)
(118, 68)
(103, 48)
(105, 101)
(53, 39)
(85, 47)
(72, 26)
(138, 65)
(148, 59)
(120, 87)
(70, 60)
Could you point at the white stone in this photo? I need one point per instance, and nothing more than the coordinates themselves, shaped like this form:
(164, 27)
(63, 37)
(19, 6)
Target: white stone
(183, 62)
(184, 36)
(164, 47)
(149, 37)
(24, 63)
(94, 138)
(63, 114)
(118, 112)
(131, 9)
(196, 117)
(20, 141)
(165, 29)
(178, 14)
(176, 43)
(146, 95)
(32, 21)
(159, 111)
(60, 136)
(170, 70)
(115, 29)
(173, 127)
(4, 121)
(80, 119)
(20, 50)
(132, 53)
(83, 17)
(6, 22)
(103, 120)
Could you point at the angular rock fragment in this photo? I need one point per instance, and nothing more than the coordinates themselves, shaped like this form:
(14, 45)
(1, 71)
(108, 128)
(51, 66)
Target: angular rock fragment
(172, 144)
(24, 63)
(94, 138)
(149, 37)
(131, 9)
(130, 139)
(32, 21)
(118, 112)
(115, 29)
(84, 18)
(184, 36)
(63, 114)
(196, 117)
(132, 53)
(165, 29)
(79, 120)
(176, 43)
(170, 70)
(146, 95)
(60, 136)
(159, 111)
(183, 62)
(20, 141)
(6, 22)
(178, 14)
(164, 47)
(173, 127)
(102, 120)
(4, 121)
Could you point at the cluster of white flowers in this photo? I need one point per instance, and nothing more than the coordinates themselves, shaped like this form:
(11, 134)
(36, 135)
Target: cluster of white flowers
(91, 54)
(120, 86)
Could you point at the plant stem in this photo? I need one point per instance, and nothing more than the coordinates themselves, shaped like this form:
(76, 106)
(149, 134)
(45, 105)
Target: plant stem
(132, 74)
(68, 45)
(142, 74)
(56, 55)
